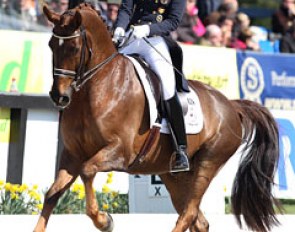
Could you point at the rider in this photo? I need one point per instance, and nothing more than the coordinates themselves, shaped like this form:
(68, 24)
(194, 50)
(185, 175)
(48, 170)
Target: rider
(150, 22)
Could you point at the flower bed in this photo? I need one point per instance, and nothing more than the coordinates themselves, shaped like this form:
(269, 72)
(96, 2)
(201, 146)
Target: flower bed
(24, 199)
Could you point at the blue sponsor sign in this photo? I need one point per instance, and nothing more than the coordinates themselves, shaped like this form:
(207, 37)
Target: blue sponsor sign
(267, 79)
(286, 164)
(285, 176)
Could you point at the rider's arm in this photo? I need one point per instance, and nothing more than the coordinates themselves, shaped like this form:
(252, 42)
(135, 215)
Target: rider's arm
(125, 14)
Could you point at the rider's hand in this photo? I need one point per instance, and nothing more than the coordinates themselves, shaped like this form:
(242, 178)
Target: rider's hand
(141, 31)
(118, 36)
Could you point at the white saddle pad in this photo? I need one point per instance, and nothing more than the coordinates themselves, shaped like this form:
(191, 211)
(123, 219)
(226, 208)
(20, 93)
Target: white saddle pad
(193, 115)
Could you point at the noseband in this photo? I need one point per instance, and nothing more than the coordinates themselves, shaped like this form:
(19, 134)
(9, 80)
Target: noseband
(81, 76)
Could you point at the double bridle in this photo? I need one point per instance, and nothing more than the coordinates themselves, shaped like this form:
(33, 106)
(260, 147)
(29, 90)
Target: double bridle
(81, 76)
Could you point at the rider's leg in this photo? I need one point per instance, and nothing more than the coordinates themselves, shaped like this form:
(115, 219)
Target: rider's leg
(165, 71)
(175, 116)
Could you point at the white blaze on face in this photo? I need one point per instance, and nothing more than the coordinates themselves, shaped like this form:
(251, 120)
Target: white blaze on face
(60, 42)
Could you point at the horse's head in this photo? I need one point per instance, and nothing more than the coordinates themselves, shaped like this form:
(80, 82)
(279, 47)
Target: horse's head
(77, 36)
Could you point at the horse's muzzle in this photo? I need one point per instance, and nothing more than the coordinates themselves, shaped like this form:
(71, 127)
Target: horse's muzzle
(61, 101)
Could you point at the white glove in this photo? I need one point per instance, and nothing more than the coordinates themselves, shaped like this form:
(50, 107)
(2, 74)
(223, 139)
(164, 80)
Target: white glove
(141, 31)
(119, 34)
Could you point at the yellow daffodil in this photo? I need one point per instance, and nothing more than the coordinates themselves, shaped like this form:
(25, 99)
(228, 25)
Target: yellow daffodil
(23, 188)
(109, 180)
(105, 206)
(34, 195)
(106, 189)
(7, 187)
(114, 194)
(110, 174)
(81, 195)
(39, 206)
(115, 204)
(14, 196)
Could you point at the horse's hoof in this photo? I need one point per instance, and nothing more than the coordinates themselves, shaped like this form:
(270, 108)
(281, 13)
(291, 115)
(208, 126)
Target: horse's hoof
(110, 225)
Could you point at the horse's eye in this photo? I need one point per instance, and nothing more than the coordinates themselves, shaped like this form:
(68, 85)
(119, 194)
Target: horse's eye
(72, 50)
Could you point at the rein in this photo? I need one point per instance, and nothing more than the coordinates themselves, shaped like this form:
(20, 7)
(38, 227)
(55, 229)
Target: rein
(82, 76)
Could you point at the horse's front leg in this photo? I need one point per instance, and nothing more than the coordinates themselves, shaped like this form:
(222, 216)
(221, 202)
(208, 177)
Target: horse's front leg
(106, 159)
(67, 174)
(103, 221)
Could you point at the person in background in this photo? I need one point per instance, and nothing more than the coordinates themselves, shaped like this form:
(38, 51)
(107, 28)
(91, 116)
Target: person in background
(98, 5)
(7, 8)
(206, 7)
(112, 12)
(245, 37)
(243, 21)
(283, 18)
(226, 24)
(62, 6)
(191, 27)
(287, 42)
(226, 8)
(73, 3)
(212, 37)
(28, 13)
(41, 18)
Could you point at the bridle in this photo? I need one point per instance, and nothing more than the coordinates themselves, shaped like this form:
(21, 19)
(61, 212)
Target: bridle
(81, 76)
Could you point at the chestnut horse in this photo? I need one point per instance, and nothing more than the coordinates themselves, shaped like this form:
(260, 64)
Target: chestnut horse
(105, 123)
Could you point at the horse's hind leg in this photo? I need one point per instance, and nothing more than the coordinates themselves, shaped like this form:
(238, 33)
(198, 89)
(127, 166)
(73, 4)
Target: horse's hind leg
(187, 190)
(103, 221)
(66, 176)
(201, 224)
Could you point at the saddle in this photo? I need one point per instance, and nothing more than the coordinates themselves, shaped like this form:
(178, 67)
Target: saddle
(158, 122)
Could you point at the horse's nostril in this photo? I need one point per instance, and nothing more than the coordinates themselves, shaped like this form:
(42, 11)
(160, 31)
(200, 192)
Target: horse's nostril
(64, 101)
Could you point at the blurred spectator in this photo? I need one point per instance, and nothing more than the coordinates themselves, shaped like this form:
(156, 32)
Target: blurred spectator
(191, 27)
(242, 36)
(287, 43)
(73, 3)
(243, 21)
(41, 18)
(212, 37)
(28, 13)
(62, 6)
(112, 12)
(246, 37)
(103, 7)
(28, 10)
(206, 7)
(226, 8)
(100, 5)
(283, 18)
(229, 7)
(7, 8)
(226, 24)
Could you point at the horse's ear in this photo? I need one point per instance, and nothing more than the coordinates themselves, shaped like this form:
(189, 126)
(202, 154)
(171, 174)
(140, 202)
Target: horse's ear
(51, 15)
(77, 19)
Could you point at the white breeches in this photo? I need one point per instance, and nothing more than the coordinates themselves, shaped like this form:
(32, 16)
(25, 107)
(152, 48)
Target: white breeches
(159, 65)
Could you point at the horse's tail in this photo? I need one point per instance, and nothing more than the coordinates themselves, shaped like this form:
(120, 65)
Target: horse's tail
(252, 194)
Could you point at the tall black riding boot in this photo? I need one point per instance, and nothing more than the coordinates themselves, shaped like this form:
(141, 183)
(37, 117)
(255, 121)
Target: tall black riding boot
(179, 161)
